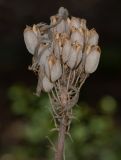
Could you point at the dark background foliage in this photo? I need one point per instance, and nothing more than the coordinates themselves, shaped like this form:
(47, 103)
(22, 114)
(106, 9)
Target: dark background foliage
(103, 15)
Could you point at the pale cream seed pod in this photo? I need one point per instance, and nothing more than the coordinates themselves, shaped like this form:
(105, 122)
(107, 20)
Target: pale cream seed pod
(74, 55)
(56, 71)
(62, 27)
(86, 35)
(75, 23)
(77, 36)
(47, 85)
(36, 30)
(83, 24)
(44, 53)
(31, 40)
(66, 50)
(53, 68)
(93, 37)
(57, 49)
(79, 57)
(87, 49)
(92, 60)
(48, 66)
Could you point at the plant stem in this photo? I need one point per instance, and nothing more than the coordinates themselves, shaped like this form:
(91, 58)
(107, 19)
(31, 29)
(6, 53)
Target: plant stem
(61, 140)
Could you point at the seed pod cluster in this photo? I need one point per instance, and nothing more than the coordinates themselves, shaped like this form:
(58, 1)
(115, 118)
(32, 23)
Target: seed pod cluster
(64, 53)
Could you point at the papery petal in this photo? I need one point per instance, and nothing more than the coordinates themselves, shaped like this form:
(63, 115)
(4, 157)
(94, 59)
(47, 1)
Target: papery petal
(66, 50)
(77, 36)
(72, 60)
(87, 35)
(30, 39)
(75, 22)
(62, 27)
(92, 60)
(47, 85)
(57, 49)
(56, 71)
(63, 12)
(50, 61)
(87, 49)
(47, 69)
(44, 54)
(39, 87)
(41, 75)
(93, 37)
(79, 57)
(83, 24)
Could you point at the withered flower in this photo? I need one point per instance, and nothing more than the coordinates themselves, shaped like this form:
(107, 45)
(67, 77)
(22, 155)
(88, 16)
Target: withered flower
(64, 54)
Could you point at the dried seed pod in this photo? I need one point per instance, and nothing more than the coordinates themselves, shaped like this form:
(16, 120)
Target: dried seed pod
(36, 30)
(63, 12)
(48, 67)
(83, 24)
(74, 55)
(53, 20)
(30, 39)
(57, 49)
(44, 54)
(86, 35)
(92, 60)
(87, 49)
(77, 36)
(66, 50)
(41, 75)
(62, 27)
(56, 71)
(53, 68)
(79, 57)
(75, 22)
(47, 85)
(93, 37)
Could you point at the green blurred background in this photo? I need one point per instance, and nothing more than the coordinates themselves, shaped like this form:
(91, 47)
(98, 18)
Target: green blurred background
(26, 122)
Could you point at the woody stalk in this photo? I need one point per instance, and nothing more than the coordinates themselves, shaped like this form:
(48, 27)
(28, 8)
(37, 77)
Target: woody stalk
(64, 53)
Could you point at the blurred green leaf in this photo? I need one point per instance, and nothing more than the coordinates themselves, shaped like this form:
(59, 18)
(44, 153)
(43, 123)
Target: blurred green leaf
(94, 133)
(108, 104)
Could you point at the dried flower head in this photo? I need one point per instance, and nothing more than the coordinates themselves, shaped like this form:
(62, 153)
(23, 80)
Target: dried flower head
(64, 54)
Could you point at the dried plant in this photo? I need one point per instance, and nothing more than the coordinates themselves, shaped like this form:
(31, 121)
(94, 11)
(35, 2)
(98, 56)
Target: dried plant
(64, 54)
